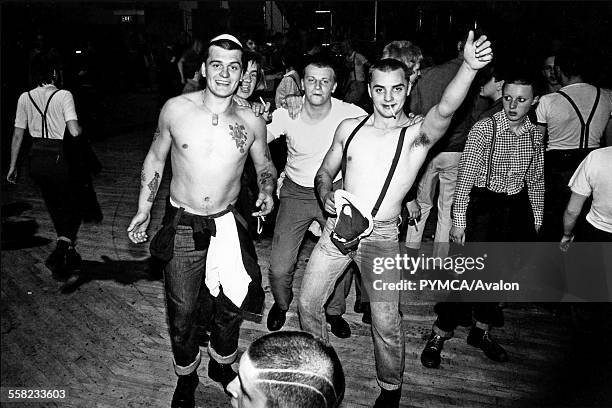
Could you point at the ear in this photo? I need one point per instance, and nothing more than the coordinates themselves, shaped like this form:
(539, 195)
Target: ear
(536, 99)
(334, 87)
(369, 92)
(499, 85)
(203, 70)
(302, 82)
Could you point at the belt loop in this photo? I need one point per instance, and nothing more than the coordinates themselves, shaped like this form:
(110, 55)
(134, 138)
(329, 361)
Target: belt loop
(177, 217)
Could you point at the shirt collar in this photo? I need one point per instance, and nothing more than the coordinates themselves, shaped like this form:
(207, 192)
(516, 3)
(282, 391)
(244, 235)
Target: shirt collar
(502, 119)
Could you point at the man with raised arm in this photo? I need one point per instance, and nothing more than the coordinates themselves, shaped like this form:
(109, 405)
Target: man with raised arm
(203, 239)
(367, 148)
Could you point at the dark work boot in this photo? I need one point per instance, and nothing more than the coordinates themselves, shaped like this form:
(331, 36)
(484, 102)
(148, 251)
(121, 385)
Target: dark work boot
(276, 318)
(388, 399)
(185, 389)
(221, 373)
(483, 340)
(56, 262)
(339, 327)
(430, 357)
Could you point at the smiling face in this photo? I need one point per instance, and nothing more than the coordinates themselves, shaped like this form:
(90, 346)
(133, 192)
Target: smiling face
(223, 70)
(249, 80)
(517, 99)
(243, 389)
(319, 83)
(388, 91)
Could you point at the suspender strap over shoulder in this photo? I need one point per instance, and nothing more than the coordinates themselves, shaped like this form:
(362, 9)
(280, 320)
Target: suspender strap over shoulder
(45, 126)
(584, 126)
(348, 141)
(490, 164)
(398, 152)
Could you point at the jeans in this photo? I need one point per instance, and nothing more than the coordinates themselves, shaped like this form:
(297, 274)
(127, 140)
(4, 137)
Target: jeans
(443, 168)
(298, 208)
(185, 292)
(326, 266)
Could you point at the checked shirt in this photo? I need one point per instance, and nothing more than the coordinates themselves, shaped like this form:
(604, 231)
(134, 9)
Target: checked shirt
(517, 160)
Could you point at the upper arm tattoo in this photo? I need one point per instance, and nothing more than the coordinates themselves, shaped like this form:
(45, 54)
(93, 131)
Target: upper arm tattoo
(156, 134)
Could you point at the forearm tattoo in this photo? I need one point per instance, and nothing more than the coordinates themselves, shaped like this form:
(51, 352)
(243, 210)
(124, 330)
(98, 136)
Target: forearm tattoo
(153, 186)
(265, 178)
(239, 135)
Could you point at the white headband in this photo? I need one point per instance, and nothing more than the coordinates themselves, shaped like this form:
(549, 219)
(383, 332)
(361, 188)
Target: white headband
(228, 37)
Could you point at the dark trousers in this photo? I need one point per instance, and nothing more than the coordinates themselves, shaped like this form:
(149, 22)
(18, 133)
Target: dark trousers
(186, 295)
(490, 217)
(559, 166)
(60, 189)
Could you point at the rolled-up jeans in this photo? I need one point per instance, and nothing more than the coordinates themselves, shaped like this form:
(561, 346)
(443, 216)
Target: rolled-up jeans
(184, 283)
(326, 266)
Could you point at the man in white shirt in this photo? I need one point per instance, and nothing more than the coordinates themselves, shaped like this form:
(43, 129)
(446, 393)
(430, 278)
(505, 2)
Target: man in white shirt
(575, 117)
(47, 112)
(309, 137)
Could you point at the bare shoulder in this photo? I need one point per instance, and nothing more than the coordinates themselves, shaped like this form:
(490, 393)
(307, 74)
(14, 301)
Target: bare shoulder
(175, 105)
(348, 125)
(249, 119)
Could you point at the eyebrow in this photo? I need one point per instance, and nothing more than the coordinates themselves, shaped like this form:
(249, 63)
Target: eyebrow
(392, 86)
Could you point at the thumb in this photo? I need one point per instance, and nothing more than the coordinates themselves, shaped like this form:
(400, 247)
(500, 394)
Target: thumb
(470, 37)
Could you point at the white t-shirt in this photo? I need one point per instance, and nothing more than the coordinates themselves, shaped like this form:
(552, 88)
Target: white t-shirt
(563, 124)
(61, 110)
(594, 176)
(308, 143)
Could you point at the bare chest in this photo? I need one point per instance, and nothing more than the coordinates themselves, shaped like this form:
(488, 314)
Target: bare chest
(197, 137)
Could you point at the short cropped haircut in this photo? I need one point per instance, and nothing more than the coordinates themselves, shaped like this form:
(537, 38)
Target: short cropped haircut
(319, 60)
(223, 43)
(570, 61)
(388, 65)
(404, 51)
(522, 78)
(297, 370)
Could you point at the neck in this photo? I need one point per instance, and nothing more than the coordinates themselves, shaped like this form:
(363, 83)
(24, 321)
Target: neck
(573, 80)
(317, 111)
(514, 126)
(215, 103)
(382, 122)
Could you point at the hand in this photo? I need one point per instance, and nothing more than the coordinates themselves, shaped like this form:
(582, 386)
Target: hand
(294, 105)
(537, 228)
(279, 183)
(565, 242)
(414, 209)
(477, 53)
(457, 235)
(414, 119)
(137, 231)
(329, 203)
(11, 176)
(265, 202)
(261, 109)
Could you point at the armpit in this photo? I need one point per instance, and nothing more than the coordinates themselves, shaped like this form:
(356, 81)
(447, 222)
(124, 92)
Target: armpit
(421, 140)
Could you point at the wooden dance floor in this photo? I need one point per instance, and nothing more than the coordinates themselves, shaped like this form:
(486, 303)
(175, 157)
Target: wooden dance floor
(105, 340)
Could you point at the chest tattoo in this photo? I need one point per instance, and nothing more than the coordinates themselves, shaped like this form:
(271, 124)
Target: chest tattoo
(239, 135)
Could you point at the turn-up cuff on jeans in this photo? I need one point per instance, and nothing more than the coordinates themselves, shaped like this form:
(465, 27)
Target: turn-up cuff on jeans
(444, 334)
(388, 387)
(179, 370)
(222, 359)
